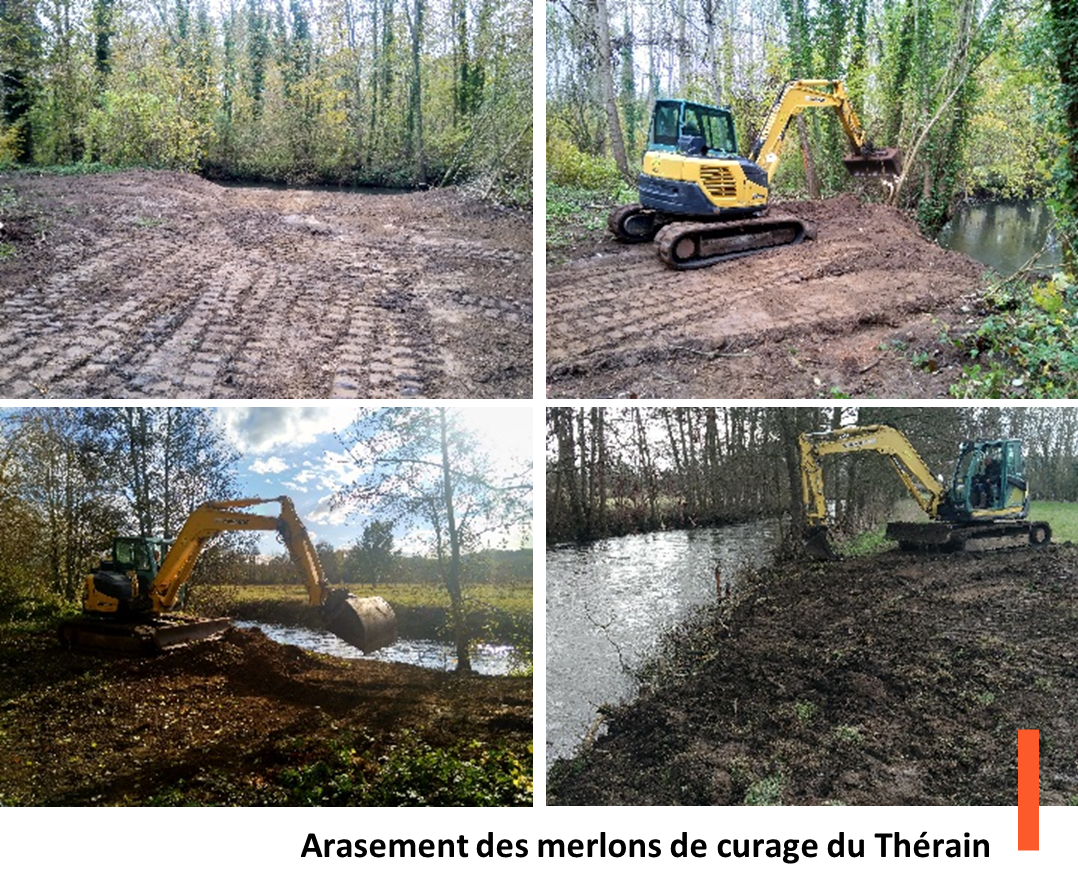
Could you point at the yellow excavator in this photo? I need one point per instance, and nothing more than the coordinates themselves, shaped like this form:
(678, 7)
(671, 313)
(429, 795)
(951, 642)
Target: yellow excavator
(984, 506)
(130, 603)
(703, 203)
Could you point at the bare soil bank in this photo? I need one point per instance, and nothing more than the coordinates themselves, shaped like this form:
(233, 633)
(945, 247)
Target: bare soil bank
(842, 314)
(899, 679)
(152, 284)
(238, 720)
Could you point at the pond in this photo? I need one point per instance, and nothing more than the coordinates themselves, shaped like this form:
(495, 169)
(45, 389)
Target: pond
(608, 603)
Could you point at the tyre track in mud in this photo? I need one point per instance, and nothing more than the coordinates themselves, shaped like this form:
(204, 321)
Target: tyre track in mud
(783, 323)
(155, 284)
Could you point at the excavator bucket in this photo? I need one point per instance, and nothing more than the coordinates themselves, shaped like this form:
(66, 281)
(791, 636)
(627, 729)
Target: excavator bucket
(817, 543)
(368, 623)
(875, 163)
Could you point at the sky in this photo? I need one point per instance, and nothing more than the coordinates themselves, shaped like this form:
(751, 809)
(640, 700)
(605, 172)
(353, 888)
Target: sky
(296, 451)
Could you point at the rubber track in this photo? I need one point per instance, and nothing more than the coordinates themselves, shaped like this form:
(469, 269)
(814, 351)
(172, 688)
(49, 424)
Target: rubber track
(746, 237)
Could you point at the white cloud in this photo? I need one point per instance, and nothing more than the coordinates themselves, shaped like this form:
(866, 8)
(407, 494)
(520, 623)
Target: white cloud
(271, 465)
(256, 430)
(324, 513)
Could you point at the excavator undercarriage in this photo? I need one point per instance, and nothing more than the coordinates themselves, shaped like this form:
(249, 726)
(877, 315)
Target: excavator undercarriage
(692, 244)
(144, 637)
(954, 536)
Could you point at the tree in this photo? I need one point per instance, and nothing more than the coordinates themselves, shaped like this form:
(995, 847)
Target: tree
(70, 485)
(20, 51)
(168, 459)
(421, 468)
(1064, 19)
(375, 556)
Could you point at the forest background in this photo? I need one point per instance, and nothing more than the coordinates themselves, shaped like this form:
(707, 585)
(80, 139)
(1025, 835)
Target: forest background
(371, 92)
(614, 471)
(980, 95)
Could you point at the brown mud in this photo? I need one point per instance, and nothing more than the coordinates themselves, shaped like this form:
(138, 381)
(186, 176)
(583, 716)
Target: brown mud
(226, 721)
(857, 311)
(163, 285)
(899, 679)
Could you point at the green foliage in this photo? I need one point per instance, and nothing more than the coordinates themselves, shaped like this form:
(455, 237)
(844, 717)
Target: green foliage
(411, 772)
(9, 145)
(567, 166)
(146, 126)
(766, 791)
(260, 90)
(1028, 346)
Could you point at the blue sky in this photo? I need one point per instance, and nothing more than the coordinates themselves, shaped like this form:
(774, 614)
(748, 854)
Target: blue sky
(296, 451)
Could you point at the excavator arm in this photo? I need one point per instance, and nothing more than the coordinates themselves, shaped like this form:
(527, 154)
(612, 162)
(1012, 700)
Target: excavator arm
(797, 96)
(214, 517)
(912, 470)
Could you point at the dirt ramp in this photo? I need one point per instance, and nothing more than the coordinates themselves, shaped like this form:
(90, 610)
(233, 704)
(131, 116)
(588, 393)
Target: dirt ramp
(843, 312)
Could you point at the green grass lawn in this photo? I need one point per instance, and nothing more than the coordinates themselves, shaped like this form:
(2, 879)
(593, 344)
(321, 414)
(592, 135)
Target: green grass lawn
(515, 598)
(1063, 517)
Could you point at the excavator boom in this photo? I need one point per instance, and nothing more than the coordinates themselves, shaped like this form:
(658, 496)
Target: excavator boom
(796, 96)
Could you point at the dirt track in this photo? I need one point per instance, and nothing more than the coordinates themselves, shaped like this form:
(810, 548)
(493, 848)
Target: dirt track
(842, 314)
(899, 679)
(163, 285)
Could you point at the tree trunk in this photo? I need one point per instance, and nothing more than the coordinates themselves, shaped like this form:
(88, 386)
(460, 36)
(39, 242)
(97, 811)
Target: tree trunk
(606, 85)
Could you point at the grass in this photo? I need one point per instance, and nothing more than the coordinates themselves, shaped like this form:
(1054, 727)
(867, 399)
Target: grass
(514, 598)
(571, 211)
(1061, 516)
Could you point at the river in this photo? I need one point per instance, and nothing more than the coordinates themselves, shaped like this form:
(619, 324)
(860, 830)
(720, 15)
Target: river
(1004, 235)
(608, 603)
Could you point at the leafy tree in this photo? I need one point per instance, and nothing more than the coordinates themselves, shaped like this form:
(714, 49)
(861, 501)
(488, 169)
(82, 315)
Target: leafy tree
(375, 556)
(420, 468)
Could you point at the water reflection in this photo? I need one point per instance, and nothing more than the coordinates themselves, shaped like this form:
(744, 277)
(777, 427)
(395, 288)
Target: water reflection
(1004, 235)
(487, 658)
(608, 602)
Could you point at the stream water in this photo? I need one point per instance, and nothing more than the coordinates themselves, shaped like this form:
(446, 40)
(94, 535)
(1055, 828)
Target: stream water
(487, 658)
(1004, 235)
(608, 603)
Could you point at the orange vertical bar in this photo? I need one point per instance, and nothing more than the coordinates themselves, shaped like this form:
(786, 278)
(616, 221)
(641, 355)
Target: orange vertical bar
(1029, 790)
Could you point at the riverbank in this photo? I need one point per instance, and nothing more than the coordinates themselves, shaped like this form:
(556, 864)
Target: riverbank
(242, 720)
(896, 679)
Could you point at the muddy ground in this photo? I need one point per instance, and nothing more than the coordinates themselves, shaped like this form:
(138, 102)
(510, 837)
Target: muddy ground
(163, 285)
(856, 312)
(899, 679)
(238, 720)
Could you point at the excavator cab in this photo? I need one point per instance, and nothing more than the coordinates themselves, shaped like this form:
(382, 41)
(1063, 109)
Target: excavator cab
(121, 585)
(990, 479)
(688, 128)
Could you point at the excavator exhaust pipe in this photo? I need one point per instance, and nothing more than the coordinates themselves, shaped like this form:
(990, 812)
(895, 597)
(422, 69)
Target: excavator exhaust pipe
(875, 163)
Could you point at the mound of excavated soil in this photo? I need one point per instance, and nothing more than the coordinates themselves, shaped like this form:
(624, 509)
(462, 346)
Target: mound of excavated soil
(844, 313)
(163, 285)
(223, 721)
(900, 679)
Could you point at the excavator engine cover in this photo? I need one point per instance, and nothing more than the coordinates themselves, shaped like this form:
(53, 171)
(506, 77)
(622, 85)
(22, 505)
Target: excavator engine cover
(368, 623)
(875, 163)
